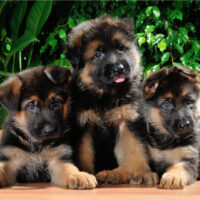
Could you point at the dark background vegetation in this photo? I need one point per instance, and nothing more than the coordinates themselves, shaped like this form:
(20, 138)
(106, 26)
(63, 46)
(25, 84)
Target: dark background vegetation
(35, 32)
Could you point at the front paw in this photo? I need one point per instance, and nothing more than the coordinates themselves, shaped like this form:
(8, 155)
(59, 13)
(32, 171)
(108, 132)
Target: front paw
(80, 180)
(171, 180)
(115, 176)
(144, 178)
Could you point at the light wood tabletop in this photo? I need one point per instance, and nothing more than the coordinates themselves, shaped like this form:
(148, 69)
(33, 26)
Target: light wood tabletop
(118, 192)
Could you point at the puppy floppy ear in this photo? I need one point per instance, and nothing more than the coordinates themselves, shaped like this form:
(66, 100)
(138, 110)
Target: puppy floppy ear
(10, 94)
(186, 72)
(152, 82)
(58, 75)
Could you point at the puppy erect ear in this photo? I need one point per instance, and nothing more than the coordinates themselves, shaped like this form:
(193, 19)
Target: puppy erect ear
(74, 45)
(152, 82)
(10, 93)
(192, 75)
(58, 75)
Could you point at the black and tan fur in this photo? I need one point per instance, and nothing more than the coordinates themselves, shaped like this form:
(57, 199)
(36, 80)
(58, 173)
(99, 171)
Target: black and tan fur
(35, 139)
(105, 89)
(171, 111)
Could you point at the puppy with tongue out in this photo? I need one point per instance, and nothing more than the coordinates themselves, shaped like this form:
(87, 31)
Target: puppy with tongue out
(105, 90)
(118, 71)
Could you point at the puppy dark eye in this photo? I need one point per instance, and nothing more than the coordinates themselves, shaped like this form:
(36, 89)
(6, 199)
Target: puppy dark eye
(33, 107)
(189, 101)
(99, 55)
(55, 104)
(121, 48)
(167, 105)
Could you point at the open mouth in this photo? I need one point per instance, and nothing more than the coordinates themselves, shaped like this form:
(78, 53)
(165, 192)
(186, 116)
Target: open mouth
(119, 79)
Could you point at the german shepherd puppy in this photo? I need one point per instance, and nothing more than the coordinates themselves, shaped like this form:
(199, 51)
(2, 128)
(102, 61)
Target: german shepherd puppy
(172, 124)
(105, 89)
(34, 146)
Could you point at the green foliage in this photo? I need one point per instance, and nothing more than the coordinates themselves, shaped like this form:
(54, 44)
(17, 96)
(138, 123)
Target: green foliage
(167, 32)
(15, 42)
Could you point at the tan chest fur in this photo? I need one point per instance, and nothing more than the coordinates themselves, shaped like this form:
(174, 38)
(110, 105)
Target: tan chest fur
(116, 115)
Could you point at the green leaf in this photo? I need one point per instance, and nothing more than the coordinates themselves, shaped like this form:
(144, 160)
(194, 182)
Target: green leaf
(147, 71)
(156, 12)
(8, 47)
(140, 20)
(157, 39)
(195, 46)
(196, 66)
(37, 16)
(183, 31)
(17, 18)
(179, 15)
(183, 60)
(165, 57)
(53, 43)
(148, 11)
(71, 23)
(150, 37)
(62, 62)
(139, 35)
(162, 45)
(179, 48)
(155, 68)
(50, 37)
(141, 41)
(23, 42)
(62, 55)
(62, 35)
(149, 29)
(175, 14)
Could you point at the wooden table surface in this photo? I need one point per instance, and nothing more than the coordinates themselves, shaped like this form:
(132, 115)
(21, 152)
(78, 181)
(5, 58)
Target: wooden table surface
(124, 192)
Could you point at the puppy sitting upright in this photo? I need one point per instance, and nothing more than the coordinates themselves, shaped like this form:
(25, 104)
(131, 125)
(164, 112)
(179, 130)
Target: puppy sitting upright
(34, 146)
(172, 115)
(105, 89)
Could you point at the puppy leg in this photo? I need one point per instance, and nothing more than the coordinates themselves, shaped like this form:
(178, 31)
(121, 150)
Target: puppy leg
(86, 154)
(2, 174)
(68, 175)
(132, 160)
(176, 177)
(8, 173)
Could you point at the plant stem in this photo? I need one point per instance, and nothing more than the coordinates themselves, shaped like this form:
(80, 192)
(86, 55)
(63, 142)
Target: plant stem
(20, 61)
(30, 56)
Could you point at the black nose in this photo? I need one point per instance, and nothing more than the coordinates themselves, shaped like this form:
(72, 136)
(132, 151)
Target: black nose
(184, 123)
(49, 128)
(118, 69)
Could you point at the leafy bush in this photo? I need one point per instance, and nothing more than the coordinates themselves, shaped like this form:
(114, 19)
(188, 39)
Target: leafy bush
(167, 32)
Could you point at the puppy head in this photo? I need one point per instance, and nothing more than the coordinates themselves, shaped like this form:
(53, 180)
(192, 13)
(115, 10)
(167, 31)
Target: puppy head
(172, 100)
(104, 53)
(37, 101)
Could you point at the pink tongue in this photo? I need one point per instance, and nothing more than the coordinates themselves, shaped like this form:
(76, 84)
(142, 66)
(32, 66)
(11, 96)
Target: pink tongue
(119, 80)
